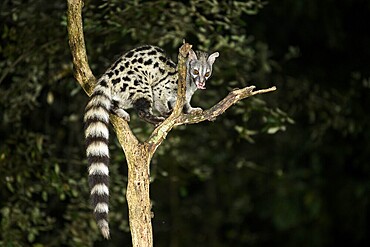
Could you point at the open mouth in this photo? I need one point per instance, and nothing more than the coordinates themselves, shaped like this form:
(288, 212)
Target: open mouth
(201, 85)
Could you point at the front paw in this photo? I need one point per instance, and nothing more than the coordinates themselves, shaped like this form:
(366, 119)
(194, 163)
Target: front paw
(195, 110)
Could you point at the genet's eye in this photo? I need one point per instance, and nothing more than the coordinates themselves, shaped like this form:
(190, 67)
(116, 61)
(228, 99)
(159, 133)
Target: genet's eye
(207, 74)
(195, 72)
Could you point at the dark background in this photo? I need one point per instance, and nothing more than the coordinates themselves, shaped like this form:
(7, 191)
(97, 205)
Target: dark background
(288, 168)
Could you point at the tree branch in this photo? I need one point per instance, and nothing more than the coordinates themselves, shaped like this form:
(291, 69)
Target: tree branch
(82, 71)
(181, 90)
(218, 109)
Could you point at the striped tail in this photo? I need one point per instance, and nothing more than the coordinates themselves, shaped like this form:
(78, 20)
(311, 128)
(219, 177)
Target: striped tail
(97, 134)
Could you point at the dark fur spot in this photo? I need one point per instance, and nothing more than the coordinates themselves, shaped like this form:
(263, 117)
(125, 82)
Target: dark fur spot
(163, 59)
(130, 54)
(115, 81)
(161, 71)
(127, 64)
(116, 71)
(121, 68)
(110, 74)
(103, 83)
(136, 83)
(133, 61)
(130, 72)
(151, 53)
(124, 87)
(148, 62)
(140, 60)
(126, 78)
(156, 65)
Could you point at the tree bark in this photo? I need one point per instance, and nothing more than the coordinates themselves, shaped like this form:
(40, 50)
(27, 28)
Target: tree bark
(138, 157)
(139, 154)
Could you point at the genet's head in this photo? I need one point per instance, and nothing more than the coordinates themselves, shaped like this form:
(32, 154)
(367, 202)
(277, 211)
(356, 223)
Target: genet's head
(200, 67)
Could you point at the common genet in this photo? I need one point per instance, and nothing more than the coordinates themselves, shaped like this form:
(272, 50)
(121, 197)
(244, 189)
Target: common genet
(143, 79)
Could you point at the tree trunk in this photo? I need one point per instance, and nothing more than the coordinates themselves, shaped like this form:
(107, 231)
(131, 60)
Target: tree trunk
(138, 157)
(139, 205)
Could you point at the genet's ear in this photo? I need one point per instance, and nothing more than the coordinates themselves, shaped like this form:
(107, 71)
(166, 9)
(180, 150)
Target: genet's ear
(212, 58)
(192, 55)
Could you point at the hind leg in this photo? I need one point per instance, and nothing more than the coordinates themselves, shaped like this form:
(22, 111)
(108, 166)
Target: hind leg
(116, 109)
(144, 110)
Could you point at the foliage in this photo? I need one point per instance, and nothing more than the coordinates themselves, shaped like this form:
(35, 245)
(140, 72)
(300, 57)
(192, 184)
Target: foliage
(291, 170)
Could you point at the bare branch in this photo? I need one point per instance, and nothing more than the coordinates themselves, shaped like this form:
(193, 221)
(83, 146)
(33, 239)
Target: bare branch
(181, 90)
(212, 113)
(82, 71)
